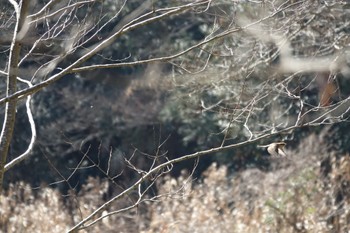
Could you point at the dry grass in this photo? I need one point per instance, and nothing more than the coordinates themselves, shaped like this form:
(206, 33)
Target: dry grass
(297, 195)
(23, 211)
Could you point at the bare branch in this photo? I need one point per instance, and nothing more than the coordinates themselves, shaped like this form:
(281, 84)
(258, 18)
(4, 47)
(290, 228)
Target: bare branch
(26, 154)
(99, 47)
(99, 210)
(41, 14)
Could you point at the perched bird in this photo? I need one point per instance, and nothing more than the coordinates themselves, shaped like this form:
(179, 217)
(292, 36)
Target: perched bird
(275, 149)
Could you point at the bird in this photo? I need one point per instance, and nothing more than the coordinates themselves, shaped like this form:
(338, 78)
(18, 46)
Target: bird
(275, 149)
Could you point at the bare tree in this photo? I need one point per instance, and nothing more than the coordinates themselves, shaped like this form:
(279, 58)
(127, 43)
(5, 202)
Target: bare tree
(249, 75)
(78, 40)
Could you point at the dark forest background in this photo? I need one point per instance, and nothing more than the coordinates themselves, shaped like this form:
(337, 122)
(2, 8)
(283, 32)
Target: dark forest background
(95, 120)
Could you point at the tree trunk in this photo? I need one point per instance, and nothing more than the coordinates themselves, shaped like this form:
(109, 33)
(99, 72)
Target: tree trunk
(11, 88)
